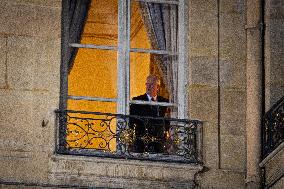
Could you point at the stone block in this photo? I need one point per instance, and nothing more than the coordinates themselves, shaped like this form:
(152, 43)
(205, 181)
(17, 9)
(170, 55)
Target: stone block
(276, 9)
(210, 145)
(3, 59)
(232, 50)
(203, 103)
(222, 179)
(232, 111)
(30, 17)
(203, 33)
(273, 94)
(23, 167)
(233, 153)
(22, 113)
(279, 184)
(274, 69)
(203, 5)
(44, 104)
(98, 172)
(277, 71)
(232, 6)
(20, 131)
(274, 166)
(233, 38)
(20, 62)
(17, 122)
(33, 63)
(203, 71)
(235, 127)
(47, 22)
(203, 37)
(16, 19)
(275, 32)
(43, 3)
(14, 167)
(21, 186)
(232, 74)
(32, 72)
(47, 65)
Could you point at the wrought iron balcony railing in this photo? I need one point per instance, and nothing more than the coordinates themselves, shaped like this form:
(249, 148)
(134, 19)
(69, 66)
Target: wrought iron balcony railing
(131, 137)
(273, 128)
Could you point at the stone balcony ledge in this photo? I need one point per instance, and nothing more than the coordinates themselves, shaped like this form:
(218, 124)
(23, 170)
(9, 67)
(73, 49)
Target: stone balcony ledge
(121, 173)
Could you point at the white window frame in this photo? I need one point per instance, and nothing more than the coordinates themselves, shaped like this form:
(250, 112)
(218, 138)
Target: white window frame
(123, 75)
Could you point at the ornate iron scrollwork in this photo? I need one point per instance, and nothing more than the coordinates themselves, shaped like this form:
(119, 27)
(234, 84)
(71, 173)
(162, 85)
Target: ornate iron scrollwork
(127, 136)
(113, 135)
(273, 128)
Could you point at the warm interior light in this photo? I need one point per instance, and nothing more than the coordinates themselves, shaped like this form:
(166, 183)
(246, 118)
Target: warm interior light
(95, 71)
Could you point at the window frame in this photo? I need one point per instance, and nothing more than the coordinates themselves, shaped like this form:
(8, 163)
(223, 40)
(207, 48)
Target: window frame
(123, 77)
(123, 49)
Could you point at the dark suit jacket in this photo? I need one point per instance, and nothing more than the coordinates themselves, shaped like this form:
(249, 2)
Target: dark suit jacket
(151, 127)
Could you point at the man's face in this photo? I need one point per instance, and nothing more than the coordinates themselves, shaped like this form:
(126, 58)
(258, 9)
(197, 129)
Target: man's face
(152, 87)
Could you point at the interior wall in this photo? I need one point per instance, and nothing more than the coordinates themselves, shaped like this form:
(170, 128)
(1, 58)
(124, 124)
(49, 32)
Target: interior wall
(95, 71)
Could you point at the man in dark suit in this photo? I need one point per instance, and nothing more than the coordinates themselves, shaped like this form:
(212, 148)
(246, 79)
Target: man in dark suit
(149, 133)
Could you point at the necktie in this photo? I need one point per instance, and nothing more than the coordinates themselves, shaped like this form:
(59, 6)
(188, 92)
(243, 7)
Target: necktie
(155, 109)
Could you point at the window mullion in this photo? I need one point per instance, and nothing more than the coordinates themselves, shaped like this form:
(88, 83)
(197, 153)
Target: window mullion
(122, 57)
(92, 46)
(65, 56)
(162, 52)
(152, 103)
(127, 57)
(183, 58)
(160, 1)
(91, 98)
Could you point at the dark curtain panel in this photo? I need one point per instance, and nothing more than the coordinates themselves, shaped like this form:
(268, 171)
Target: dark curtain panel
(78, 11)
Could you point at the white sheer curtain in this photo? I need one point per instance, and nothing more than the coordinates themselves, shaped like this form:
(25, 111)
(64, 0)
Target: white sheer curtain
(161, 23)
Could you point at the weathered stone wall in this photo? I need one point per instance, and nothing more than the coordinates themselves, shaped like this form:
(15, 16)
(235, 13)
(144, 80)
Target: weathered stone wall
(113, 173)
(274, 52)
(274, 168)
(217, 50)
(274, 79)
(29, 87)
(30, 43)
(29, 93)
(279, 184)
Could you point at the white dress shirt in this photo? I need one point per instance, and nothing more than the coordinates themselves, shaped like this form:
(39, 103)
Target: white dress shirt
(149, 97)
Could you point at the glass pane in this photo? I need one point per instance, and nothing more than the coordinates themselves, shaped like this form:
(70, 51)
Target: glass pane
(153, 26)
(91, 106)
(93, 74)
(101, 26)
(163, 66)
(153, 79)
(91, 131)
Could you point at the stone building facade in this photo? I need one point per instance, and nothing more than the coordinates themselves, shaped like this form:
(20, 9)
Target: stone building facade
(235, 74)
